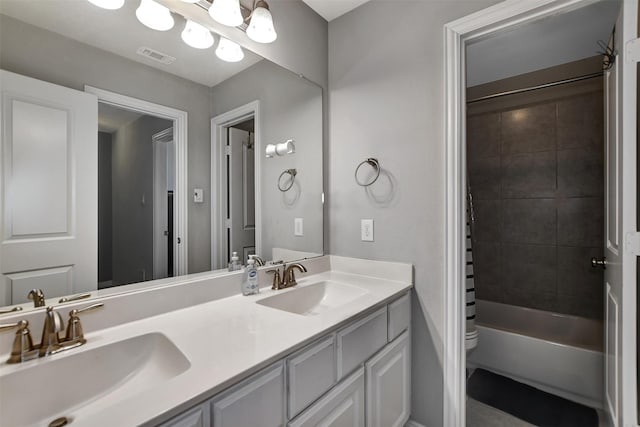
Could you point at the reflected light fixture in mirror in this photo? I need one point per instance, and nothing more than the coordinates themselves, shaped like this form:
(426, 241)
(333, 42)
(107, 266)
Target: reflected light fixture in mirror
(195, 35)
(260, 27)
(108, 4)
(226, 12)
(154, 15)
(229, 51)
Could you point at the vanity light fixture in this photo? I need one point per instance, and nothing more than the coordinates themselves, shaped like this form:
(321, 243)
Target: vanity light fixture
(229, 51)
(260, 27)
(154, 15)
(195, 35)
(226, 12)
(108, 4)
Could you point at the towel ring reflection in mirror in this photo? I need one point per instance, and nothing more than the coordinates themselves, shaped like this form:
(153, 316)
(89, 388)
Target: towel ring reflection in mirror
(292, 173)
(375, 164)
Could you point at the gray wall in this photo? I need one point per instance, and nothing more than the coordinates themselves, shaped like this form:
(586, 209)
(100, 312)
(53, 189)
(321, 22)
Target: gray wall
(104, 208)
(41, 54)
(132, 190)
(291, 108)
(386, 100)
(536, 172)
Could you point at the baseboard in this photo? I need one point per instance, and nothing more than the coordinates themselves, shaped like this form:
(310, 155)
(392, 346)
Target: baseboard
(412, 423)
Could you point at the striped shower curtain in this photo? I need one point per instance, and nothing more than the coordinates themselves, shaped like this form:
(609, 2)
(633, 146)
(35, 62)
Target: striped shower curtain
(470, 284)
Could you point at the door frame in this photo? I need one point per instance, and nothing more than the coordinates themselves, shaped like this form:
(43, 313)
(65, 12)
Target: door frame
(180, 122)
(219, 124)
(457, 35)
(162, 137)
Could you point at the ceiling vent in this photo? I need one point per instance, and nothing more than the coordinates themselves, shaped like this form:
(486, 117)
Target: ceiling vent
(155, 55)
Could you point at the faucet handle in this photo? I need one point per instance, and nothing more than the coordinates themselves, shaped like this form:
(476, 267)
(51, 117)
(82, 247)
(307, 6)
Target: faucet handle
(275, 285)
(74, 327)
(22, 343)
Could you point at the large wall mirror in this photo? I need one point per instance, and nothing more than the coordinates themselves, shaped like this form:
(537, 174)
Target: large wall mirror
(128, 157)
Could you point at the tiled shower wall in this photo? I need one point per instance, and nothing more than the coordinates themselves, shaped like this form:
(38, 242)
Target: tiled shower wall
(537, 178)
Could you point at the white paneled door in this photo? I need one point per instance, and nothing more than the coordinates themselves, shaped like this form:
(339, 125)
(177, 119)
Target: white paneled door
(48, 189)
(620, 223)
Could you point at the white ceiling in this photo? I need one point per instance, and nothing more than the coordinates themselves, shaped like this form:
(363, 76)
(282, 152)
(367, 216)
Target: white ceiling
(542, 44)
(331, 9)
(120, 32)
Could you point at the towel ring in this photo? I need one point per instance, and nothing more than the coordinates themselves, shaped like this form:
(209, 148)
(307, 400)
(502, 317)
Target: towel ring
(293, 174)
(375, 164)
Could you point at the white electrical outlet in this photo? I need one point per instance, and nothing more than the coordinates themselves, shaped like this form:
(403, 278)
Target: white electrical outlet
(298, 226)
(366, 230)
(198, 195)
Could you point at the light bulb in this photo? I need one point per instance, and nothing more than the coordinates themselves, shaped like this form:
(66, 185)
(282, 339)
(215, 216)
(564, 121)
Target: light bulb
(108, 4)
(260, 27)
(229, 51)
(195, 35)
(154, 15)
(226, 12)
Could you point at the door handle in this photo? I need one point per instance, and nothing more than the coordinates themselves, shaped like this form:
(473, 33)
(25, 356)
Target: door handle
(595, 262)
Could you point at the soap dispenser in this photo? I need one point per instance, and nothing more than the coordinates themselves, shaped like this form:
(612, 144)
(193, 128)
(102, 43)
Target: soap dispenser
(250, 282)
(235, 265)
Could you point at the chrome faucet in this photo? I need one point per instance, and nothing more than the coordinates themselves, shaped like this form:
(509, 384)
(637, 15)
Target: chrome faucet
(51, 343)
(288, 278)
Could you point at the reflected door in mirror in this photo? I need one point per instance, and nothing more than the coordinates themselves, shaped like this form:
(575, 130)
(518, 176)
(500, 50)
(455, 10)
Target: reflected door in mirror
(49, 205)
(241, 192)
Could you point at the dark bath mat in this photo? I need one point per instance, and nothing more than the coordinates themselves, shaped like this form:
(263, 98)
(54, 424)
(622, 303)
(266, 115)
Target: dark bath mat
(528, 403)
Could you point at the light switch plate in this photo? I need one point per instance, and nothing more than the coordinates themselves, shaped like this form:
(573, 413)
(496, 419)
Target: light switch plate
(366, 230)
(198, 195)
(298, 227)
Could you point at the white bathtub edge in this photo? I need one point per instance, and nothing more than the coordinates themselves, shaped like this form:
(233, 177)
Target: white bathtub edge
(570, 372)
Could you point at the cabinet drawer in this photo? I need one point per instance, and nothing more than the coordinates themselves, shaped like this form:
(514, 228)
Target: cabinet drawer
(360, 340)
(342, 406)
(310, 373)
(195, 417)
(257, 401)
(399, 316)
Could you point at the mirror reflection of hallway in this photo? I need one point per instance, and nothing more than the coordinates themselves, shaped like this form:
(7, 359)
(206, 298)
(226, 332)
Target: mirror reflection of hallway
(135, 205)
(241, 219)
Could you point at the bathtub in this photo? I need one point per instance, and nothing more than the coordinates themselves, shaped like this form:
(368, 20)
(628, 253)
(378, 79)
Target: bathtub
(557, 353)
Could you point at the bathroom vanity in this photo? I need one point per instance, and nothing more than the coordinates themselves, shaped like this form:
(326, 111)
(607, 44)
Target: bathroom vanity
(336, 347)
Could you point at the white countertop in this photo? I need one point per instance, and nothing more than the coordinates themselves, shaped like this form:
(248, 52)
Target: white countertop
(226, 340)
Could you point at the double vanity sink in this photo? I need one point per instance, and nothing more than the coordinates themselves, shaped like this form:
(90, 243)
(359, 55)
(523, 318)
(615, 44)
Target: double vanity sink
(150, 369)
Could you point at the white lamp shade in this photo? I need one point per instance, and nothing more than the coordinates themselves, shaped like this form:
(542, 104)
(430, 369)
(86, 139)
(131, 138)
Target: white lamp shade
(154, 15)
(226, 12)
(260, 28)
(108, 4)
(190, 1)
(195, 35)
(229, 51)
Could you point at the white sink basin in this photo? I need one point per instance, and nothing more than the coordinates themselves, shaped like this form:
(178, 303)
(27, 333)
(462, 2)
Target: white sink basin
(313, 299)
(65, 384)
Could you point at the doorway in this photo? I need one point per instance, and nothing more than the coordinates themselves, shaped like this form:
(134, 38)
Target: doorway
(620, 392)
(241, 213)
(133, 186)
(143, 226)
(235, 186)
